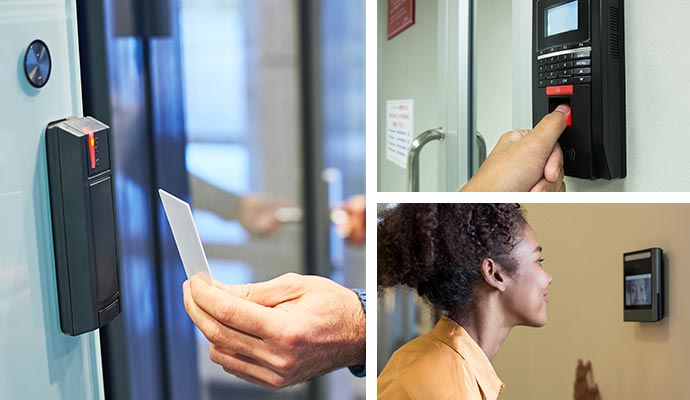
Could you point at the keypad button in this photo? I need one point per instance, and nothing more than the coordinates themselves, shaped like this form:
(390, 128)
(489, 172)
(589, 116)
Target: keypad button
(541, 68)
(542, 83)
(564, 65)
(582, 71)
(564, 47)
(562, 57)
(582, 79)
(551, 75)
(582, 54)
(541, 76)
(552, 82)
(553, 59)
(583, 63)
(565, 73)
(564, 81)
(541, 62)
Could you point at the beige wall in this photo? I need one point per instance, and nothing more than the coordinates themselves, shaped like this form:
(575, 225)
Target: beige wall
(583, 247)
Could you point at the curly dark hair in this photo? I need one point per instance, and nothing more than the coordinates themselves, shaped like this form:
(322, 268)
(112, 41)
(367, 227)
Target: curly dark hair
(437, 249)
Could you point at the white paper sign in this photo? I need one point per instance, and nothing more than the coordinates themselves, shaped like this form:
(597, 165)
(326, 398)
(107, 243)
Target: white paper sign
(399, 128)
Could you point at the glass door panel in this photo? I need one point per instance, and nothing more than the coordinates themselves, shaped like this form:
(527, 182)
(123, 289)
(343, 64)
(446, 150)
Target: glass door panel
(242, 110)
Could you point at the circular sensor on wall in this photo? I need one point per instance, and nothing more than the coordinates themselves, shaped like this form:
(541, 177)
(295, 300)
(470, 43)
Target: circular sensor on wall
(37, 63)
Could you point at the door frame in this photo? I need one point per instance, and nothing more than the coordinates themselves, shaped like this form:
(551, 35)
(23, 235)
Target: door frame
(460, 95)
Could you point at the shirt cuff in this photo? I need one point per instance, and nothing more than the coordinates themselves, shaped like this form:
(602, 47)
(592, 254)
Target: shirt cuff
(360, 371)
(362, 294)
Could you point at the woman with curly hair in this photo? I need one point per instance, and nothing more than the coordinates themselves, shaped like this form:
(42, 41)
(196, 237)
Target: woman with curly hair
(479, 265)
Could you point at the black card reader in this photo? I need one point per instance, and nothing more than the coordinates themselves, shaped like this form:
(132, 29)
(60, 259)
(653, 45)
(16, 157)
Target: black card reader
(83, 218)
(579, 60)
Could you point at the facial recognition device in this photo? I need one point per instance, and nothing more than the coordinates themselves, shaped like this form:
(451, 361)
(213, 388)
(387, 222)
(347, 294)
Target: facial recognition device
(643, 285)
(83, 217)
(579, 60)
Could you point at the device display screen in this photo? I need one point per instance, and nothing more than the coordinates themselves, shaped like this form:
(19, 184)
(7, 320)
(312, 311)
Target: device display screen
(638, 290)
(562, 18)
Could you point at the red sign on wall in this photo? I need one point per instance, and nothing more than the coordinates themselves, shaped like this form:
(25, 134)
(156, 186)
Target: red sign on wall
(400, 16)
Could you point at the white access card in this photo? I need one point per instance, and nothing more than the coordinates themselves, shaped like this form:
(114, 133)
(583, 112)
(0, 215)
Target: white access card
(186, 236)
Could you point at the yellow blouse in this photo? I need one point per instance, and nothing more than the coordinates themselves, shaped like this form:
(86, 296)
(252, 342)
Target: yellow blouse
(446, 363)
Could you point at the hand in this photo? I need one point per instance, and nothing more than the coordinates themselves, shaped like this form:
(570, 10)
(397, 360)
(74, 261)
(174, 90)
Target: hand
(350, 221)
(583, 376)
(525, 160)
(553, 173)
(258, 213)
(280, 332)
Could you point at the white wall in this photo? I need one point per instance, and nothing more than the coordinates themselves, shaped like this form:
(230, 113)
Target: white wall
(584, 246)
(657, 85)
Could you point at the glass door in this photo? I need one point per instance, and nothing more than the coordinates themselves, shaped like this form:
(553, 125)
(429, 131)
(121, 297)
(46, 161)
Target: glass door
(242, 109)
(423, 78)
(244, 91)
(501, 70)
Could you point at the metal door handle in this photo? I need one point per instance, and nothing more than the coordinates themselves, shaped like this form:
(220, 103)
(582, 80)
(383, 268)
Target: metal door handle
(333, 190)
(289, 215)
(481, 149)
(413, 155)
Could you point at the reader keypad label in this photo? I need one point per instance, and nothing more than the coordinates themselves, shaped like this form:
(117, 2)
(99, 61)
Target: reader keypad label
(564, 69)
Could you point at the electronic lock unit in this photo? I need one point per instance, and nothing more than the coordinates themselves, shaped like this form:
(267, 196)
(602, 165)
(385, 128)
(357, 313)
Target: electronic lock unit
(83, 216)
(643, 285)
(579, 60)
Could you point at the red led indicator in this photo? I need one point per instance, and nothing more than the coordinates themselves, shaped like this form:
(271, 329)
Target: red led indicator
(569, 122)
(92, 146)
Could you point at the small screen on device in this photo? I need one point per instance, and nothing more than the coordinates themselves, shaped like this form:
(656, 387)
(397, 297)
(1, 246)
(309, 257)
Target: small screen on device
(638, 290)
(561, 18)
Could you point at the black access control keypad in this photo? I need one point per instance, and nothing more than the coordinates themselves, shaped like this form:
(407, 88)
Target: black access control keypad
(565, 69)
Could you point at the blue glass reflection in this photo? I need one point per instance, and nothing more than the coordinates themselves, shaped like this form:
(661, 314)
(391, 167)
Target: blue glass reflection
(223, 165)
(215, 63)
(136, 267)
(217, 231)
(343, 53)
(343, 56)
